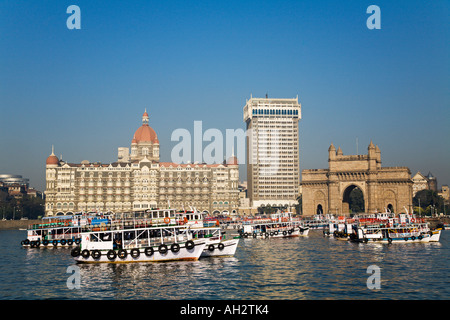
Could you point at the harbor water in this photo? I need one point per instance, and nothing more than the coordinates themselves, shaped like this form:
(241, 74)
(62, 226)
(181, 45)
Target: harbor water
(313, 268)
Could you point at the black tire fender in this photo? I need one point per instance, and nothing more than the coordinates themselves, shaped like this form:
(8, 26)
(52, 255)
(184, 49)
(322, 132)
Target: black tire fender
(111, 255)
(190, 244)
(175, 247)
(149, 251)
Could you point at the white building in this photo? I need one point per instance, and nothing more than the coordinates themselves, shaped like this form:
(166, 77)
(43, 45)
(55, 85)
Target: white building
(272, 151)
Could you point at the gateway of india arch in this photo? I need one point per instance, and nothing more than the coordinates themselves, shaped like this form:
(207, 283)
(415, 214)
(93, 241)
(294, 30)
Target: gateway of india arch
(383, 188)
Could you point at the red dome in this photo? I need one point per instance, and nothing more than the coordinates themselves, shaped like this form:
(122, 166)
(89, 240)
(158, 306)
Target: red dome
(145, 133)
(52, 159)
(232, 160)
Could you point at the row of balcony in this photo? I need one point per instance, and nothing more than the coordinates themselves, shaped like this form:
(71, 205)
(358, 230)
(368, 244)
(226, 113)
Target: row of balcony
(108, 198)
(107, 184)
(108, 192)
(180, 190)
(180, 183)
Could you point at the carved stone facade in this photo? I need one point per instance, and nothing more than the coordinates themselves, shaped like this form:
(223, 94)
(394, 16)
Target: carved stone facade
(328, 190)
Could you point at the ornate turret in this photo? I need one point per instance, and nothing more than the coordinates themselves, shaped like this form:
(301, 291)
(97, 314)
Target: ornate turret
(145, 118)
(331, 152)
(373, 163)
(52, 160)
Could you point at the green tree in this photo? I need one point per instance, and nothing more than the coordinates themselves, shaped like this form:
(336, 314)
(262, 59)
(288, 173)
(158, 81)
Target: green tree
(32, 207)
(429, 201)
(356, 200)
(24, 207)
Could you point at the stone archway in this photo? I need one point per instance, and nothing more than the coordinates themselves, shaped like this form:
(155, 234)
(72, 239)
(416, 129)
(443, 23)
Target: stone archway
(390, 201)
(319, 202)
(333, 187)
(319, 209)
(353, 200)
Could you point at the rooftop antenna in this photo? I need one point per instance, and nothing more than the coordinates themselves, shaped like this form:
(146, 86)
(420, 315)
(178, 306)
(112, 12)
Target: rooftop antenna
(267, 95)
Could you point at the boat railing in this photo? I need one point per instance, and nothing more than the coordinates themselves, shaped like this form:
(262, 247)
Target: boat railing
(62, 236)
(285, 227)
(394, 225)
(178, 236)
(124, 224)
(49, 225)
(153, 241)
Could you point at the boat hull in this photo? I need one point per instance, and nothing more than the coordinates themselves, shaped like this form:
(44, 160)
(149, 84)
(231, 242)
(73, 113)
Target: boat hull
(49, 244)
(423, 239)
(184, 254)
(296, 232)
(215, 248)
(435, 235)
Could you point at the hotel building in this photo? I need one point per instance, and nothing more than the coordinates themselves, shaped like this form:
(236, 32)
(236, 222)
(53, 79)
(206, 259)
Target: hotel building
(139, 181)
(272, 151)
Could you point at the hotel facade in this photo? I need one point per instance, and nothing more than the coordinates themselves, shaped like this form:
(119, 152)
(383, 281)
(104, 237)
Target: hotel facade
(273, 174)
(139, 181)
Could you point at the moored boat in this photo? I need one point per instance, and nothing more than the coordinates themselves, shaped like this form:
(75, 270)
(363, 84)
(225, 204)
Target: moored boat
(279, 225)
(61, 231)
(199, 227)
(339, 230)
(411, 233)
(435, 235)
(145, 244)
(216, 243)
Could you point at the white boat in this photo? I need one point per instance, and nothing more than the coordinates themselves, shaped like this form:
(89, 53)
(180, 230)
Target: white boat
(130, 245)
(340, 230)
(411, 233)
(435, 235)
(319, 221)
(216, 243)
(280, 225)
(62, 231)
(391, 228)
(199, 228)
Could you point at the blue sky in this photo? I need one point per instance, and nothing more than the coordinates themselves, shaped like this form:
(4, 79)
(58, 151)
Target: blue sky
(85, 90)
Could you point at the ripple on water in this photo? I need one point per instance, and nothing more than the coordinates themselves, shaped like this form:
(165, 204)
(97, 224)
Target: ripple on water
(313, 267)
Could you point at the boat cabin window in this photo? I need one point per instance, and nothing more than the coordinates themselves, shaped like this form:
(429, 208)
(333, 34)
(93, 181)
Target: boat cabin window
(128, 235)
(96, 237)
(143, 234)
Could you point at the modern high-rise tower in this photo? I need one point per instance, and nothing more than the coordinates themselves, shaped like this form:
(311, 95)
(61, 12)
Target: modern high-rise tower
(273, 175)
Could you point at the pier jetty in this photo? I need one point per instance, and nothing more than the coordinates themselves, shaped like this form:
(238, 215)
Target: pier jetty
(17, 224)
(434, 222)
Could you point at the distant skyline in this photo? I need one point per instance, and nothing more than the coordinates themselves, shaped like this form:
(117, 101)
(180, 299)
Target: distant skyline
(84, 91)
